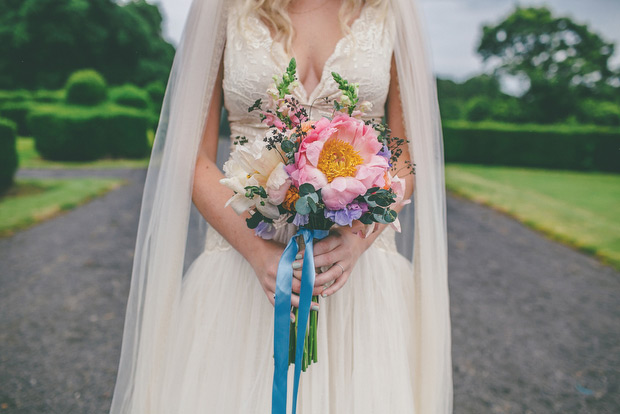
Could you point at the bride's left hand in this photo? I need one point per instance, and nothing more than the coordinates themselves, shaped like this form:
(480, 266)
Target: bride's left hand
(339, 252)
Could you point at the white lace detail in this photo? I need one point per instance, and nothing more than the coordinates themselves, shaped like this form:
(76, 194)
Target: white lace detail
(251, 58)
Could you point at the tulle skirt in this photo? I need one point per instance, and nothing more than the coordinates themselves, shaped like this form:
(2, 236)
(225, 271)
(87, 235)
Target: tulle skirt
(221, 346)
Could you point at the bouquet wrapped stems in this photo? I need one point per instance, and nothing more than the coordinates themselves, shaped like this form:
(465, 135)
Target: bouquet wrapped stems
(311, 341)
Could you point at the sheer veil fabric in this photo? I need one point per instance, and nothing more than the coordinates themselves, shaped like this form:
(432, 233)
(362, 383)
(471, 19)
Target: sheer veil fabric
(167, 228)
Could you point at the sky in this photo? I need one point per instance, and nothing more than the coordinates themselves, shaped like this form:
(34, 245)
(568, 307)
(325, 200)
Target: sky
(453, 27)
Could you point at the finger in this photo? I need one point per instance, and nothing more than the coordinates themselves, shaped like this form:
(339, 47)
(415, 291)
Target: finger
(295, 303)
(339, 283)
(296, 286)
(332, 274)
(336, 255)
(297, 274)
(327, 244)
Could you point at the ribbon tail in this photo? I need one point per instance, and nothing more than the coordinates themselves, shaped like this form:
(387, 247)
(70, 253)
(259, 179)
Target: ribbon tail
(282, 309)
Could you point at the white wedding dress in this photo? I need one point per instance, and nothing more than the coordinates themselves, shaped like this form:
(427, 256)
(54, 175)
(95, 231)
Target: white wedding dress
(220, 358)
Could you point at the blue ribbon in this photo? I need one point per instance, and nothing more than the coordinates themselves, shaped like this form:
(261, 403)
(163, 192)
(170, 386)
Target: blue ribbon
(284, 286)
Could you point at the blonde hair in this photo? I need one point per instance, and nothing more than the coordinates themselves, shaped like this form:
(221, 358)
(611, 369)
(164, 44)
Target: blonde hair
(273, 13)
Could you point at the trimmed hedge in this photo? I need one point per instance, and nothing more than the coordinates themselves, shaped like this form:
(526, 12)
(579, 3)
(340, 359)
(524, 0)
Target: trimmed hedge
(49, 96)
(8, 153)
(130, 95)
(571, 147)
(17, 111)
(75, 133)
(86, 87)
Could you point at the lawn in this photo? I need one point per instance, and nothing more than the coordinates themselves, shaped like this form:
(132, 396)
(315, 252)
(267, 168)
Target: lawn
(577, 208)
(29, 158)
(30, 201)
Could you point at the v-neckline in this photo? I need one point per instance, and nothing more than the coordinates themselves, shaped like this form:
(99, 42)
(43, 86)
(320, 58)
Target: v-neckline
(309, 98)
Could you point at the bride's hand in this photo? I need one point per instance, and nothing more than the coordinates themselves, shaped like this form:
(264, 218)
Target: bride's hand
(339, 252)
(265, 266)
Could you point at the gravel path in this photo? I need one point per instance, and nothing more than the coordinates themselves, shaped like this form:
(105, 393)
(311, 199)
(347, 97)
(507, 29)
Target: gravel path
(535, 324)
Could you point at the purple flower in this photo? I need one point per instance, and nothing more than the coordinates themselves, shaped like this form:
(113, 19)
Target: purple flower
(265, 230)
(301, 219)
(345, 216)
(385, 152)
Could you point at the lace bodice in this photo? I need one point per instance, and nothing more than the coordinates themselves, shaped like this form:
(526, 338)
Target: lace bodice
(252, 58)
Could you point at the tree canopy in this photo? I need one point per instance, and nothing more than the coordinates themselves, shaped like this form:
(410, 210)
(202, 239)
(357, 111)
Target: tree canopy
(561, 60)
(43, 41)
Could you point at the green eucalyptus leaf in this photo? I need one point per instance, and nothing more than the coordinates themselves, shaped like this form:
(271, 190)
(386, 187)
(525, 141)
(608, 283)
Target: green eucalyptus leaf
(306, 189)
(302, 206)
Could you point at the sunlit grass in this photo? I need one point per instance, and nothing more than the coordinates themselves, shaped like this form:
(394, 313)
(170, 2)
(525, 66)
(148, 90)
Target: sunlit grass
(30, 158)
(577, 208)
(30, 201)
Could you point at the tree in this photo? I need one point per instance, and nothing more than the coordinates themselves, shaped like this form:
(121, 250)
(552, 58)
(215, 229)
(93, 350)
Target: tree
(43, 41)
(562, 61)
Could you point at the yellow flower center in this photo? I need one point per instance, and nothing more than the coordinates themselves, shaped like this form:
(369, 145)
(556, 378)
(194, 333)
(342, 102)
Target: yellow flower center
(292, 195)
(338, 159)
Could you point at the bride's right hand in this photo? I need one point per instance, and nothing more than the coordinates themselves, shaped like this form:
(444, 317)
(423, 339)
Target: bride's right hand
(265, 265)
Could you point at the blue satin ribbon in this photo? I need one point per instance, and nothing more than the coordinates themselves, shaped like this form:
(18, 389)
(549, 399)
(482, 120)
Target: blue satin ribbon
(282, 319)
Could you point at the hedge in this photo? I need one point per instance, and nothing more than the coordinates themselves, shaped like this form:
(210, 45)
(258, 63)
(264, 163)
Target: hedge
(572, 147)
(86, 87)
(130, 95)
(17, 111)
(8, 153)
(76, 133)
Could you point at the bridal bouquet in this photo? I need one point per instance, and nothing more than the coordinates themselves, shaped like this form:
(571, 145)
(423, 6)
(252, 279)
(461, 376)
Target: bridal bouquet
(313, 174)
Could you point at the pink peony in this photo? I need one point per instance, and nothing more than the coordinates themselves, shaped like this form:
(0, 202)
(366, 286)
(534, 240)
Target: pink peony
(339, 157)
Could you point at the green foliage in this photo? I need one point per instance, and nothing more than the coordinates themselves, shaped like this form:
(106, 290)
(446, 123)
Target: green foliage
(546, 146)
(8, 154)
(465, 100)
(156, 91)
(49, 96)
(479, 108)
(130, 95)
(43, 41)
(77, 133)
(561, 60)
(599, 112)
(86, 87)
(17, 111)
(16, 95)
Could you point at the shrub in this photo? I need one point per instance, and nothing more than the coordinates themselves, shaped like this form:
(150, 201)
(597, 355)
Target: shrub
(86, 87)
(571, 147)
(126, 130)
(156, 91)
(478, 109)
(74, 133)
(49, 96)
(17, 111)
(17, 95)
(599, 112)
(130, 95)
(8, 154)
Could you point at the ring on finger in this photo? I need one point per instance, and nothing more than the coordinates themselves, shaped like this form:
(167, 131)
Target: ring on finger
(342, 268)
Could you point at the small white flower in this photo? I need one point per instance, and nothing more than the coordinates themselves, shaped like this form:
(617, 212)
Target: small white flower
(365, 106)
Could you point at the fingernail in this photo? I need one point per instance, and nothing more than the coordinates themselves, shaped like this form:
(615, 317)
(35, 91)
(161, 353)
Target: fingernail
(323, 295)
(292, 318)
(314, 308)
(296, 265)
(298, 256)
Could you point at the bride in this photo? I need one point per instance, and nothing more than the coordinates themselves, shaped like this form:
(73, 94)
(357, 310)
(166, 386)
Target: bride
(199, 327)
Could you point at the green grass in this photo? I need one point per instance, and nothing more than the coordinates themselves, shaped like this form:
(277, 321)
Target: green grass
(30, 201)
(29, 158)
(580, 209)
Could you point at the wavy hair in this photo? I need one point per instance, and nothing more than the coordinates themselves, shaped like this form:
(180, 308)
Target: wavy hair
(273, 13)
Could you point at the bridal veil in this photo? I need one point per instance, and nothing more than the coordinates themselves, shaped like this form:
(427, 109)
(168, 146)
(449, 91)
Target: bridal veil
(168, 229)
